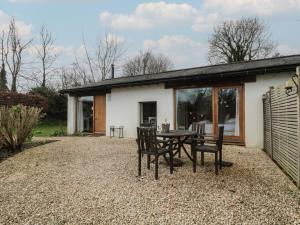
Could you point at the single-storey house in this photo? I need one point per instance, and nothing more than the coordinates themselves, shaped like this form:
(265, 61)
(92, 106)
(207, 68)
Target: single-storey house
(225, 94)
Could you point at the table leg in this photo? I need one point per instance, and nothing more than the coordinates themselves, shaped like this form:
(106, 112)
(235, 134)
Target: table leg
(186, 152)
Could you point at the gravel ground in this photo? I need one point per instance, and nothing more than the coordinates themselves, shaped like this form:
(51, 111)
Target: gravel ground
(92, 180)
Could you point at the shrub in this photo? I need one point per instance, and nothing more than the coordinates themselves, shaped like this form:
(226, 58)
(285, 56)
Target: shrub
(57, 103)
(9, 99)
(16, 125)
(60, 132)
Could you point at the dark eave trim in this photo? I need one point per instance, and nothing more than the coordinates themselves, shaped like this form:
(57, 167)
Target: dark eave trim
(84, 91)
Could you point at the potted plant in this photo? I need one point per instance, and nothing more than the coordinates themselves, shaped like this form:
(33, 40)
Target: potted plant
(165, 127)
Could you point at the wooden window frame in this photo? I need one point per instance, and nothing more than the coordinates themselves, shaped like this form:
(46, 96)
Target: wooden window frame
(215, 88)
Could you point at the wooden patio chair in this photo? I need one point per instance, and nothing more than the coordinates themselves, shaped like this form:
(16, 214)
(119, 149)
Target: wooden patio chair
(199, 127)
(149, 145)
(199, 145)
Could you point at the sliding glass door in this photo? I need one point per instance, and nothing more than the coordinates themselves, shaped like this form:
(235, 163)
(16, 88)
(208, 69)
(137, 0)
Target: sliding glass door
(194, 105)
(216, 106)
(229, 111)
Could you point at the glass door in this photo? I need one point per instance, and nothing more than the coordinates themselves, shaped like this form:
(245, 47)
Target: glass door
(194, 105)
(215, 106)
(229, 111)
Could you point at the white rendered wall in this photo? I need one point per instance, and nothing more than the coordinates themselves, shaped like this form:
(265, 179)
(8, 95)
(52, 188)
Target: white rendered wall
(122, 106)
(254, 106)
(71, 115)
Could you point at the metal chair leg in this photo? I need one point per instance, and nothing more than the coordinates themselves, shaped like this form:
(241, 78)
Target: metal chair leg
(220, 159)
(171, 162)
(216, 163)
(194, 160)
(156, 167)
(140, 162)
(202, 158)
(148, 161)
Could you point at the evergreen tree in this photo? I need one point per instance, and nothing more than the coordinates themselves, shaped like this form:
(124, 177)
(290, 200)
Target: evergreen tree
(3, 80)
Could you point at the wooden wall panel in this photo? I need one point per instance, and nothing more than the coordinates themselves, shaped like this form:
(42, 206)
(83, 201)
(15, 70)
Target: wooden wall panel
(100, 114)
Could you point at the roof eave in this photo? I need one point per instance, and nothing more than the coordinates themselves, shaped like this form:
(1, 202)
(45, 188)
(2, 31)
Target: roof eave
(107, 88)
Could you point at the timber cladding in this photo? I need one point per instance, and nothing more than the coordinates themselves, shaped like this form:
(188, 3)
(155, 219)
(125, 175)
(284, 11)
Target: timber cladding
(281, 129)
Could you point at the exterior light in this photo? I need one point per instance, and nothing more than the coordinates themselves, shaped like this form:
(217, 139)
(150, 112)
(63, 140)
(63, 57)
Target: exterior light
(289, 85)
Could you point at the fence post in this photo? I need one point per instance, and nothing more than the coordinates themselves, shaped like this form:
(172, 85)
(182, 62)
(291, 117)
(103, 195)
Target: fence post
(298, 73)
(271, 120)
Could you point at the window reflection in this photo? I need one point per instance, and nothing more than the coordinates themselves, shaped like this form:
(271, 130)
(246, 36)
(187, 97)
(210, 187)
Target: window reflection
(228, 111)
(85, 114)
(194, 105)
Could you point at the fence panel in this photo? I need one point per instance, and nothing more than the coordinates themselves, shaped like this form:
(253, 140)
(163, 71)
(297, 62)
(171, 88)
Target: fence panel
(267, 124)
(281, 129)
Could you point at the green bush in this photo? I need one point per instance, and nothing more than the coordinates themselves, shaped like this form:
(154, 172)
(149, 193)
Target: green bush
(16, 125)
(57, 103)
(60, 132)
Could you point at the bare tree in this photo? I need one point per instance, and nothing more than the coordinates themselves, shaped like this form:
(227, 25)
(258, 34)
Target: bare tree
(94, 64)
(13, 53)
(69, 78)
(46, 54)
(109, 51)
(3, 79)
(74, 75)
(89, 60)
(147, 62)
(240, 40)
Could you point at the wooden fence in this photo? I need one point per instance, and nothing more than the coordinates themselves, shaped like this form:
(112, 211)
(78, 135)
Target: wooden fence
(282, 128)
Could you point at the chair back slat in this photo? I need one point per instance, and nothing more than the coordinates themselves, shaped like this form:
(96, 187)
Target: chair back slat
(147, 141)
(201, 128)
(198, 127)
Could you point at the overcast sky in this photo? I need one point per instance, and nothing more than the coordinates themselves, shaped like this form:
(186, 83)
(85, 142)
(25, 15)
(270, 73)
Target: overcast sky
(179, 29)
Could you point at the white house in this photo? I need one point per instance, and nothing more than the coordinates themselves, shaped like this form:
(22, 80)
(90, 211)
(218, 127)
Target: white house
(227, 94)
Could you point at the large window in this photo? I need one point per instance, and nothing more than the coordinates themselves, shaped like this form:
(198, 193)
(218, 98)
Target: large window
(194, 105)
(215, 106)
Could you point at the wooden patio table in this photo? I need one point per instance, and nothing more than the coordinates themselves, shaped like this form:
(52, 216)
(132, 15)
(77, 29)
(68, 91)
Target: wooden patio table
(180, 136)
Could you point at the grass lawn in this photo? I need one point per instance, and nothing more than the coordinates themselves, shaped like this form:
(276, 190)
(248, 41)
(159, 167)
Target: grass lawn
(49, 127)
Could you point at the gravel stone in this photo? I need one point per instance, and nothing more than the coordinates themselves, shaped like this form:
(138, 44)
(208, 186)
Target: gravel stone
(93, 180)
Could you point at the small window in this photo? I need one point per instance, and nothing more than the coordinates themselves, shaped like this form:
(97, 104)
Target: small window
(148, 114)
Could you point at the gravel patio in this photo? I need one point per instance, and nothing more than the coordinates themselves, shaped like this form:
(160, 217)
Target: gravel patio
(92, 180)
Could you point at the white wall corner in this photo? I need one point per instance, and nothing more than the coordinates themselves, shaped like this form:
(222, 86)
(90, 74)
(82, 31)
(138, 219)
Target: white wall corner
(71, 123)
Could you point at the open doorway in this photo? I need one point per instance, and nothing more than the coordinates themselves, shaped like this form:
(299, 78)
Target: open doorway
(85, 114)
(148, 114)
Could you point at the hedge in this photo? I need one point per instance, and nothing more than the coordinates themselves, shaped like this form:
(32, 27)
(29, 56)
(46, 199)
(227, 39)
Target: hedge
(9, 99)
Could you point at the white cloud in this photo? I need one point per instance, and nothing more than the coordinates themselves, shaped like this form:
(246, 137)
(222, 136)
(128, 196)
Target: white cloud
(126, 22)
(24, 29)
(203, 23)
(115, 39)
(149, 15)
(284, 49)
(183, 51)
(260, 7)
(55, 50)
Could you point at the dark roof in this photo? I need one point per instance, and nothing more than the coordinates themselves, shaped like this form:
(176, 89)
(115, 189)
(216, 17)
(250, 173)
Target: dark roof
(262, 66)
